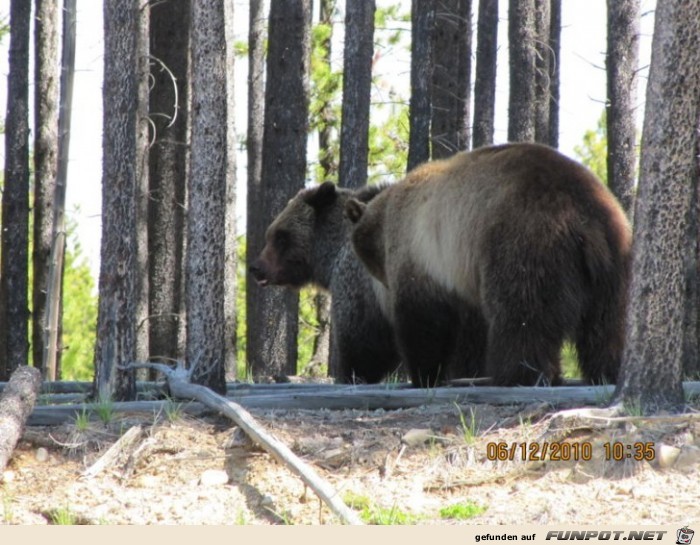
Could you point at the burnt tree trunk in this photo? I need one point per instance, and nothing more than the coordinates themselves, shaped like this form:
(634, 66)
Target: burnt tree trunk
(169, 49)
(273, 313)
(522, 34)
(46, 89)
(116, 320)
(652, 368)
(422, 24)
(485, 77)
(451, 80)
(206, 209)
(256, 107)
(622, 60)
(14, 307)
(357, 62)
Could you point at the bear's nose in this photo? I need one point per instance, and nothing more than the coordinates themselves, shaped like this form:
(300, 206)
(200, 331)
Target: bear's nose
(258, 273)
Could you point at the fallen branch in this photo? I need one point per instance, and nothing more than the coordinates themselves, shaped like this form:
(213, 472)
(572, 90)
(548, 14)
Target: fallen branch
(178, 381)
(114, 452)
(16, 404)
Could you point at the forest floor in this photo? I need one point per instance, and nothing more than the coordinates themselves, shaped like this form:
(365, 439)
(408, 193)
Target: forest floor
(427, 465)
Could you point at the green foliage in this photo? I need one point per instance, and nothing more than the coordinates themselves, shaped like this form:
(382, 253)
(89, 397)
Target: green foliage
(63, 516)
(469, 428)
(82, 420)
(79, 313)
(388, 143)
(462, 511)
(241, 326)
(105, 410)
(593, 152)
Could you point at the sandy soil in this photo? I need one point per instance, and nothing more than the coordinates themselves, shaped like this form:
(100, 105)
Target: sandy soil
(410, 466)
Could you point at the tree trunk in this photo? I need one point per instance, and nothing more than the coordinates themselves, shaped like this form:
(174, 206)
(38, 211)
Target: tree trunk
(622, 60)
(329, 169)
(485, 79)
(543, 60)
(231, 229)
(52, 316)
(357, 64)
(256, 106)
(273, 314)
(142, 201)
(422, 24)
(116, 320)
(169, 110)
(14, 308)
(206, 220)
(651, 373)
(554, 71)
(522, 35)
(451, 80)
(46, 78)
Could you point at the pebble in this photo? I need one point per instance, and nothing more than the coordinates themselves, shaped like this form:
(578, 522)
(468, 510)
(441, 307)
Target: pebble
(213, 477)
(42, 455)
(8, 476)
(666, 455)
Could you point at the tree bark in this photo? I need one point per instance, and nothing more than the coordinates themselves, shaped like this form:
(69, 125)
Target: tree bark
(14, 308)
(273, 313)
(485, 78)
(46, 94)
(522, 34)
(554, 71)
(422, 25)
(652, 368)
(116, 321)
(543, 60)
(16, 404)
(622, 60)
(451, 80)
(169, 111)
(206, 220)
(357, 87)
(230, 228)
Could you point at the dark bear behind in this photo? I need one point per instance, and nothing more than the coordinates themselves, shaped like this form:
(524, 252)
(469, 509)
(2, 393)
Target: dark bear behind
(309, 243)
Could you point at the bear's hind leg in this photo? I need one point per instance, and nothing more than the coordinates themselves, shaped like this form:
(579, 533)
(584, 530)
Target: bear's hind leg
(522, 354)
(426, 320)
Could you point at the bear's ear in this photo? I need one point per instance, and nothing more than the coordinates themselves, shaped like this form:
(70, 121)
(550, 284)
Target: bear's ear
(354, 210)
(324, 195)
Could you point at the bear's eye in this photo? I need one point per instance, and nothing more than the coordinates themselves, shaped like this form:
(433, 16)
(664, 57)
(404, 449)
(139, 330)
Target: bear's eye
(282, 239)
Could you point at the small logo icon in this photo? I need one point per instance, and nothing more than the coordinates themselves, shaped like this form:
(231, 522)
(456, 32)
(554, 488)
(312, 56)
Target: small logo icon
(684, 536)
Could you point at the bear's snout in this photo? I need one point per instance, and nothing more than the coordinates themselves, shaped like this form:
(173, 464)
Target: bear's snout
(257, 269)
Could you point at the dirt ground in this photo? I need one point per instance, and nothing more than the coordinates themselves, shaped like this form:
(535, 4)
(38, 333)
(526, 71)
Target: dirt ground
(429, 465)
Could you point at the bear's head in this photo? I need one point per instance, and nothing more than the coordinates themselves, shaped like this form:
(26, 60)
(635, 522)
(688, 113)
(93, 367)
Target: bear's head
(367, 235)
(287, 258)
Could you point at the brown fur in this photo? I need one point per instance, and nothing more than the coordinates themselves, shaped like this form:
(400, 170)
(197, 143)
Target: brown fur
(309, 243)
(527, 240)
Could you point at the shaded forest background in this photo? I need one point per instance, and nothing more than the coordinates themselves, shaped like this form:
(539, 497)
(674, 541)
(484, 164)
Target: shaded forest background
(172, 281)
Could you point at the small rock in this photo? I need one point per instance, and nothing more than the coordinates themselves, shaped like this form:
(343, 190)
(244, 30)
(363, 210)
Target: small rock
(146, 481)
(8, 476)
(266, 501)
(666, 455)
(42, 455)
(213, 477)
(417, 437)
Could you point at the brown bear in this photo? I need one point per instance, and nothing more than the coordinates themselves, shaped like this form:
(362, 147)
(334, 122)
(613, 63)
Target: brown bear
(309, 243)
(518, 239)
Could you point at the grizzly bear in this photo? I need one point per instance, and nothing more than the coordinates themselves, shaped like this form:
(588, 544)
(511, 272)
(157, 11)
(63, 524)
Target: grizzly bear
(309, 243)
(518, 239)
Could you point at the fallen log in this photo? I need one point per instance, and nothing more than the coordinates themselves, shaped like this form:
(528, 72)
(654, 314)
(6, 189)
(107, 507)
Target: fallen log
(181, 387)
(16, 404)
(361, 398)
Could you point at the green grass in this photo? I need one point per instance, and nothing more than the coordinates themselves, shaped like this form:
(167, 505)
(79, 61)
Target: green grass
(63, 516)
(469, 428)
(82, 420)
(105, 410)
(371, 513)
(8, 515)
(462, 511)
